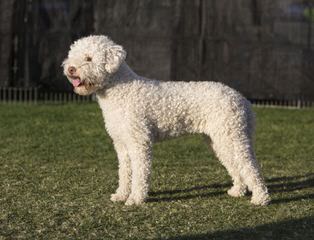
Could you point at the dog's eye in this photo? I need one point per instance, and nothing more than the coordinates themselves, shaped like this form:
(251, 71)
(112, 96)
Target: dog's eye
(88, 59)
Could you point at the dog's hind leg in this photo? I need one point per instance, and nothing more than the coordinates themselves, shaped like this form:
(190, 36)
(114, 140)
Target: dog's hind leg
(224, 152)
(249, 169)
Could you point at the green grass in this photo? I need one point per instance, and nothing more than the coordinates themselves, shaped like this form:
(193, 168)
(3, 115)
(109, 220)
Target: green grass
(58, 169)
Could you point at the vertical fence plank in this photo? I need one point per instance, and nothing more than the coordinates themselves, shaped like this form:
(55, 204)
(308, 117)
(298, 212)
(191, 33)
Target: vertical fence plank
(14, 94)
(36, 95)
(26, 95)
(9, 95)
(45, 97)
(19, 95)
(4, 90)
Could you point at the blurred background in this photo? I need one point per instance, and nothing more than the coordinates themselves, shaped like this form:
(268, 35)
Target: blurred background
(263, 48)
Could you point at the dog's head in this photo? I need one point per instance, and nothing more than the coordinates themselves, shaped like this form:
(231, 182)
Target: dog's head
(90, 63)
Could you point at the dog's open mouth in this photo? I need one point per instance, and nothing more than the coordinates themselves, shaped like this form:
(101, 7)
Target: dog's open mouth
(76, 81)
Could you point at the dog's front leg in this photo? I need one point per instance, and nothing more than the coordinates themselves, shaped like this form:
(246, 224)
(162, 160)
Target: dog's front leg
(140, 155)
(124, 189)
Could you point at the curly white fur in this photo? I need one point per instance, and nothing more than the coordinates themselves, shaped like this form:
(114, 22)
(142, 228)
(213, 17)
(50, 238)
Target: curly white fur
(140, 111)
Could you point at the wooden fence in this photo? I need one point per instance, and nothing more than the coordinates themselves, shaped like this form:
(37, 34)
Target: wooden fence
(264, 49)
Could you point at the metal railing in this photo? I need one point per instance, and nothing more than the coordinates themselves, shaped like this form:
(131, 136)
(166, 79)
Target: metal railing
(293, 104)
(35, 95)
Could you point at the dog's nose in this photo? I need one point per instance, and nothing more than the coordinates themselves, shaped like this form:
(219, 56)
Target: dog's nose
(71, 70)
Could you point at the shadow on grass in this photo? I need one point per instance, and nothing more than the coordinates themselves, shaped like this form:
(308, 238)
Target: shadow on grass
(186, 197)
(291, 229)
(286, 184)
(187, 191)
(291, 183)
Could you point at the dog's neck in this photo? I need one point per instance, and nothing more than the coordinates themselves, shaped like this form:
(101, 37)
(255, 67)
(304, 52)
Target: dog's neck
(124, 74)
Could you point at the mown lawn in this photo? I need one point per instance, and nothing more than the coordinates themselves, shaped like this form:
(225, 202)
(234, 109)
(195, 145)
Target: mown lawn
(58, 169)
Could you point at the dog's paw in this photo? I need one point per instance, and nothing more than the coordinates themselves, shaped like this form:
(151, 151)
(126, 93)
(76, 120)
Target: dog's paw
(134, 201)
(261, 199)
(237, 191)
(116, 197)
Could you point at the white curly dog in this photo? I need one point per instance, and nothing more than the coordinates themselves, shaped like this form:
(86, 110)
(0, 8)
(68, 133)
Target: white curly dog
(139, 111)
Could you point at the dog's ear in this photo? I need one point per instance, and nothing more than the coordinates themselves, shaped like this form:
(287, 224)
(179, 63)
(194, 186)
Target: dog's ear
(115, 55)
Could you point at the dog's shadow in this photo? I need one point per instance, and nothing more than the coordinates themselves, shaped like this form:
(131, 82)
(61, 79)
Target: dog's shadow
(290, 184)
(275, 185)
(188, 193)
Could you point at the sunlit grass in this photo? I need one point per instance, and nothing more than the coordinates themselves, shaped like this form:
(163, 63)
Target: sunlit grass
(58, 169)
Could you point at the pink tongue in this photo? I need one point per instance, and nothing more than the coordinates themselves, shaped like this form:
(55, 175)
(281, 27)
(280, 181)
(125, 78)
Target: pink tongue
(76, 82)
